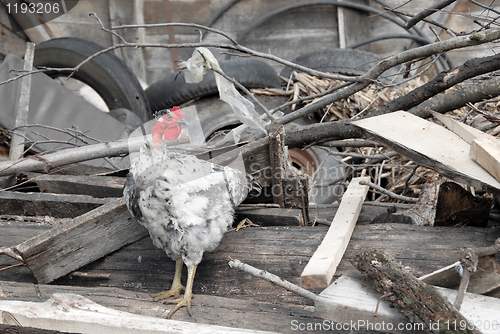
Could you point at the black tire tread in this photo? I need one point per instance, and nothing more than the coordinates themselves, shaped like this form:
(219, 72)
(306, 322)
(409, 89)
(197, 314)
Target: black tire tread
(173, 90)
(107, 74)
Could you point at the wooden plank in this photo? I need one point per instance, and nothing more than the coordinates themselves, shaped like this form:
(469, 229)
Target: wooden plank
(352, 299)
(464, 131)
(255, 156)
(278, 163)
(18, 135)
(270, 216)
(429, 145)
(41, 204)
(129, 12)
(207, 308)
(323, 264)
(84, 239)
(96, 186)
(70, 312)
(486, 151)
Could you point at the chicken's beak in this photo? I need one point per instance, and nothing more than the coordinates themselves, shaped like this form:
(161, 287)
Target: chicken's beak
(182, 122)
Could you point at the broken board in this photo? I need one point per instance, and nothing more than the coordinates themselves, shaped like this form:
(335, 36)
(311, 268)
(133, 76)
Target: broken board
(83, 240)
(352, 300)
(429, 145)
(322, 266)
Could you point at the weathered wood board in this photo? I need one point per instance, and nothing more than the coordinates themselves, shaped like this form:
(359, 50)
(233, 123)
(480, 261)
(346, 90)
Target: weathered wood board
(430, 145)
(322, 266)
(45, 204)
(95, 186)
(69, 312)
(83, 240)
(350, 298)
(270, 216)
(207, 308)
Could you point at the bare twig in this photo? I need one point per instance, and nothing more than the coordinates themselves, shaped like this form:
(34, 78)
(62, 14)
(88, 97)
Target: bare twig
(237, 264)
(427, 12)
(389, 193)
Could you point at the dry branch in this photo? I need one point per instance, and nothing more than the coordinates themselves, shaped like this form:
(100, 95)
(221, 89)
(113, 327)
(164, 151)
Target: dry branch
(237, 264)
(459, 98)
(415, 299)
(403, 57)
(43, 163)
(471, 68)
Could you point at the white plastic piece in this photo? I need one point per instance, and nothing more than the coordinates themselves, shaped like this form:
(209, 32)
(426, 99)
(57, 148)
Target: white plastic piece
(203, 60)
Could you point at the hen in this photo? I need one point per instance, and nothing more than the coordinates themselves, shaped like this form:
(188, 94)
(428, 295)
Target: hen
(185, 203)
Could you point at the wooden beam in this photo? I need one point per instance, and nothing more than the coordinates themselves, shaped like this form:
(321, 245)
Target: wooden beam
(129, 12)
(278, 163)
(322, 266)
(207, 306)
(486, 151)
(270, 216)
(42, 204)
(17, 141)
(95, 186)
(83, 240)
(429, 145)
(351, 298)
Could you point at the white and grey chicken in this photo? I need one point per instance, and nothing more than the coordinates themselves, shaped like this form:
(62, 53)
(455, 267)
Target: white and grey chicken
(185, 203)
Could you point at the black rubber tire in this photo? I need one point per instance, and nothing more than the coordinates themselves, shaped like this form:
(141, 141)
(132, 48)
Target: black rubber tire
(343, 61)
(173, 90)
(107, 74)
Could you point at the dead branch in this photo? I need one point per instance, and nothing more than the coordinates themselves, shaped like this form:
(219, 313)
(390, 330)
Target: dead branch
(389, 193)
(423, 51)
(427, 12)
(458, 98)
(415, 299)
(237, 264)
(443, 81)
(43, 163)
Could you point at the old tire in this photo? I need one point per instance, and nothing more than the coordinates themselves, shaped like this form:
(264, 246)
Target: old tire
(107, 74)
(343, 61)
(173, 90)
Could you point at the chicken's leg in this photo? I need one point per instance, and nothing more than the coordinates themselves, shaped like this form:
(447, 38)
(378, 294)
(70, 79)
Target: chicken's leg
(188, 295)
(176, 288)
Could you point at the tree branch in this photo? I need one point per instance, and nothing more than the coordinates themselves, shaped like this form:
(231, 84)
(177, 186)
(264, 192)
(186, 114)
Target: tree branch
(423, 51)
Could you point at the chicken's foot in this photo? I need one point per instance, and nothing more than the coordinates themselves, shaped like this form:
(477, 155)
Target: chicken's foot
(176, 288)
(188, 295)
